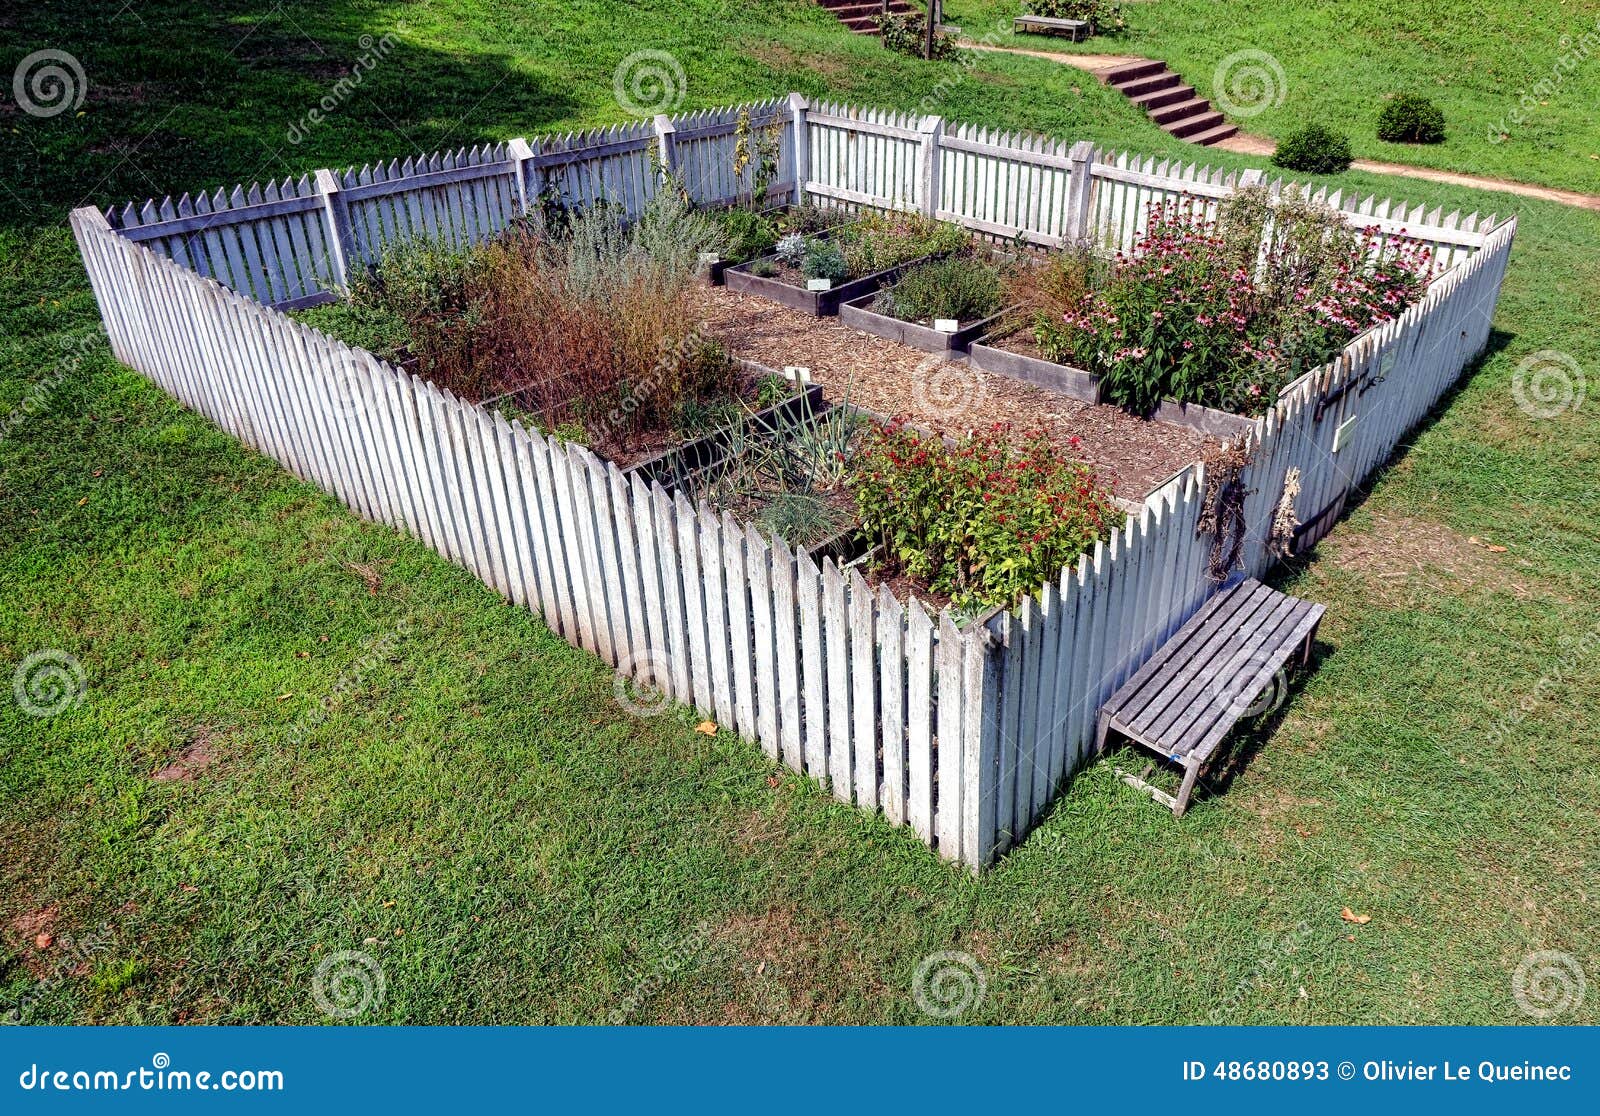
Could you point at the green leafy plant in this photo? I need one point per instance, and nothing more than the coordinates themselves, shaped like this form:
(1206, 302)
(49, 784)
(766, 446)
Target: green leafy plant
(789, 478)
(1106, 16)
(1225, 313)
(1314, 149)
(879, 241)
(983, 522)
(960, 287)
(746, 234)
(757, 150)
(824, 260)
(907, 33)
(773, 389)
(1410, 118)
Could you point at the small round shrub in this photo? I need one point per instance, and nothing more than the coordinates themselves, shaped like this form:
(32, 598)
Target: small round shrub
(823, 260)
(1313, 149)
(1410, 118)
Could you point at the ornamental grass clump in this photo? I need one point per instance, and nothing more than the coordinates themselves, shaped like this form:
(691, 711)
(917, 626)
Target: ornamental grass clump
(961, 287)
(586, 321)
(984, 522)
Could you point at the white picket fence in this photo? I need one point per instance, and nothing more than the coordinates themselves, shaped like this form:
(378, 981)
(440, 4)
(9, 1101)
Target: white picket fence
(963, 734)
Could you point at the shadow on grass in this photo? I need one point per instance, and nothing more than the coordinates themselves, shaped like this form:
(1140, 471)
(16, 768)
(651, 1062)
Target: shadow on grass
(248, 92)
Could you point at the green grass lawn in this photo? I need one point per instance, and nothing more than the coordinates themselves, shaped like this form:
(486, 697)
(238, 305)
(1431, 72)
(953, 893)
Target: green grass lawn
(474, 810)
(1525, 72)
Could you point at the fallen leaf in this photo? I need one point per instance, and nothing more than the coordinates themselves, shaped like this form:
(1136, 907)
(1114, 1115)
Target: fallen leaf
(1489, 546)
(773, 781)
(188, 887)
(1350, 916)
(99, 472)
(388, 903)
(369, 941)
(43, 941)
(83, 501)
(706, 728)
(302, 654)
(286, 697)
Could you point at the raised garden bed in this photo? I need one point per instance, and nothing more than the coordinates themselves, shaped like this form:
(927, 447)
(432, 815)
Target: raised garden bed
(1013, 354)
(1002, 353)
(858, 314)
(821, 304)
(752, 468)
(708, 451)
(716, 267)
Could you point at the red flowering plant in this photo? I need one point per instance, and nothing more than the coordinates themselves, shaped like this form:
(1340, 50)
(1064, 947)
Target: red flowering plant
(1226, 312)
(983, 522)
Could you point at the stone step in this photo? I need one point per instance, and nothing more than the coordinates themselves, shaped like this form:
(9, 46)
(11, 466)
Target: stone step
(859, 10)
(1164, 80)
(1194, 125)
(1168, 114)
(1170, 95)
(1132, 71)
(1215, 135)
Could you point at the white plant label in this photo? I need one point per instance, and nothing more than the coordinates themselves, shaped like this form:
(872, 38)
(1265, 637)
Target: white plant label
(819, 284)
(946, 325)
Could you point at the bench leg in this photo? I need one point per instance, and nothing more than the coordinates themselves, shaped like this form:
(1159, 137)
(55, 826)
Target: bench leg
(1101, 730)
(1181, 803)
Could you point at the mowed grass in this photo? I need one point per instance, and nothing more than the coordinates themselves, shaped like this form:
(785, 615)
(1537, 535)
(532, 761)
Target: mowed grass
(1517, 81)
(376, 754)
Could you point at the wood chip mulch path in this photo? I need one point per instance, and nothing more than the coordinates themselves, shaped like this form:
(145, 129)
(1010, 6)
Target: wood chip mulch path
(1130, 455)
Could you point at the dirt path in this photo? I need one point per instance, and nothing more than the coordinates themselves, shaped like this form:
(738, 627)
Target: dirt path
(1246, 144)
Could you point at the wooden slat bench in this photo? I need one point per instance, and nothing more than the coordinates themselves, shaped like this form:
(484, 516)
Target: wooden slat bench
(1075, 29)
(1181, 704)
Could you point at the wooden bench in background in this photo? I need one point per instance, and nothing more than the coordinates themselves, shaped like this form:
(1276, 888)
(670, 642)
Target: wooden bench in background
(1181, 704)
(1075, 29)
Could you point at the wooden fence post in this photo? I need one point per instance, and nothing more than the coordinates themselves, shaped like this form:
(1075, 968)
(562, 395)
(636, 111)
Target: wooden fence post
(1080, 190)
(664, 137)
(932, 129)
(521, 161)
(1251, 177)
(802, 146)
(337, 211)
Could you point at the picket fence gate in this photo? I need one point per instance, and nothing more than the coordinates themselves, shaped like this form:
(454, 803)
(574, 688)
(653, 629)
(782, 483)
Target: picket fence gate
(964, 733)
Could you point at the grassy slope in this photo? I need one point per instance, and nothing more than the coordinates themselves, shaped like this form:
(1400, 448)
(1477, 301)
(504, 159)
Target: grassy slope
(519, 849)
(1340, 60)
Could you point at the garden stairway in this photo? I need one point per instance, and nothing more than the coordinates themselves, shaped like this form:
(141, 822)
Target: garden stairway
(1171, 104)
(861, 16)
